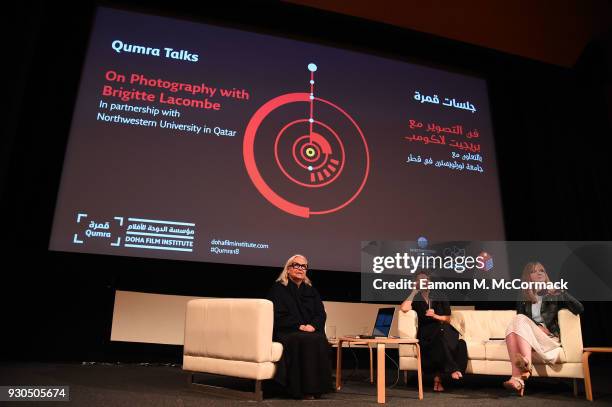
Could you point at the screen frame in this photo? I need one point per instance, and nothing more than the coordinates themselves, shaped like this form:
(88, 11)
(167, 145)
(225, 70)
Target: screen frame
(427, 51)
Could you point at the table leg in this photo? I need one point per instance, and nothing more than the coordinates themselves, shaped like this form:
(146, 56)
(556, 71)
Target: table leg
(587, 376)
(419, 375)
(371, 365)
(380, 380)
(339, 366)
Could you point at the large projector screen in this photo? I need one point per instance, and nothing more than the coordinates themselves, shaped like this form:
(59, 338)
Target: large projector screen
(199, 142)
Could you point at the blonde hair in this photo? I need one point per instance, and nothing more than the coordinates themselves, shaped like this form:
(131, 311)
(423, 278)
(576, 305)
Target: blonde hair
(530, 294)
(283, 277)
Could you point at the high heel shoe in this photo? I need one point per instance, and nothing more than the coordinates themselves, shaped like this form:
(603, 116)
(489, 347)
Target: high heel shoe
(515, 384)
(525, 366)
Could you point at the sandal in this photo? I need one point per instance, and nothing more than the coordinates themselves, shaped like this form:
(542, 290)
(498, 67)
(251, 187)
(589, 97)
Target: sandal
(456, 375)
(437, 387)
(523, 365)
(515, 384)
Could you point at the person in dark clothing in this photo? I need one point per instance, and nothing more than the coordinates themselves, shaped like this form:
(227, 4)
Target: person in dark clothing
(299, 324)
(442, 350)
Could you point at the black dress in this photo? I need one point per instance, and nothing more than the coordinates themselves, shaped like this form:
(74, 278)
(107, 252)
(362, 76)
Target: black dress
(304, 368)
(441, 349)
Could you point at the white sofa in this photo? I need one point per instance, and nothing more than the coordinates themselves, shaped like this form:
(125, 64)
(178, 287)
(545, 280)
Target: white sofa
(231, 337)
(486, 356)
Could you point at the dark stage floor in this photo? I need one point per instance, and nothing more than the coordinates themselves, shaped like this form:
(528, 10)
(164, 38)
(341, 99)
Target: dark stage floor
(158, 385)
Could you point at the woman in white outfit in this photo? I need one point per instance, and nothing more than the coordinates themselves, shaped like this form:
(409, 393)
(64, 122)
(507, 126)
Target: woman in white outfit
(535, 328)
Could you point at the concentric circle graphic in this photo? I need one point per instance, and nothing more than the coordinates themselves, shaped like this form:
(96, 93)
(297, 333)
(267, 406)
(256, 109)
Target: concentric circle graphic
(316, 158)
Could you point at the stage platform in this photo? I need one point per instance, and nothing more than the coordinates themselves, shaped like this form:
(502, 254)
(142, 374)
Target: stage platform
(130, 385)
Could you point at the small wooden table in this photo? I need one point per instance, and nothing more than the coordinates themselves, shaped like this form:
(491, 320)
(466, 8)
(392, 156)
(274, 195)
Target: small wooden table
(380, 361)
(588, 389)
(334, 344)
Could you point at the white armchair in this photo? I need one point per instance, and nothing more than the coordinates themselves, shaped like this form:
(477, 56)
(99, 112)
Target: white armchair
(231, 337)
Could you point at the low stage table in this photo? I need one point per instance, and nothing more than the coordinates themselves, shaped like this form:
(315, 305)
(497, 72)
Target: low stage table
(380, 361)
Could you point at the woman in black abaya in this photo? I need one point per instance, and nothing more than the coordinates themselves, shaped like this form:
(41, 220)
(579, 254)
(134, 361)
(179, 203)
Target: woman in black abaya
(299, 324)
(442, 351)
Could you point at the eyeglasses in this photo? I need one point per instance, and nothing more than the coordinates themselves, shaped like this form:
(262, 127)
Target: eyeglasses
(299, 266)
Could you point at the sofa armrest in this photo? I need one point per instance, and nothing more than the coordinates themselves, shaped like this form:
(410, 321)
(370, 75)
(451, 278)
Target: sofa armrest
(571, 335)
(407, 324)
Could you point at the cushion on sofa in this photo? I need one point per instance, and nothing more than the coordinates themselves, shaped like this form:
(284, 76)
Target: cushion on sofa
(472, 325)
(496, 350)
(475, 349)
(498, 322)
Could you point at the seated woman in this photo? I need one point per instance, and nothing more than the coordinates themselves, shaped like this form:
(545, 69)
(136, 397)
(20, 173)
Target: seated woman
(299, 324)
(442, 352)
(535, 327)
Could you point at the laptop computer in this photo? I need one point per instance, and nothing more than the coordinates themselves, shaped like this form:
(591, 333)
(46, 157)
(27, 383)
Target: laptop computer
(382, 324)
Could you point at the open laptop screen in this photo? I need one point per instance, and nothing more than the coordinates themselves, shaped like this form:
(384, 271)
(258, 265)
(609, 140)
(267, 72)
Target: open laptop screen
(384, 319)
